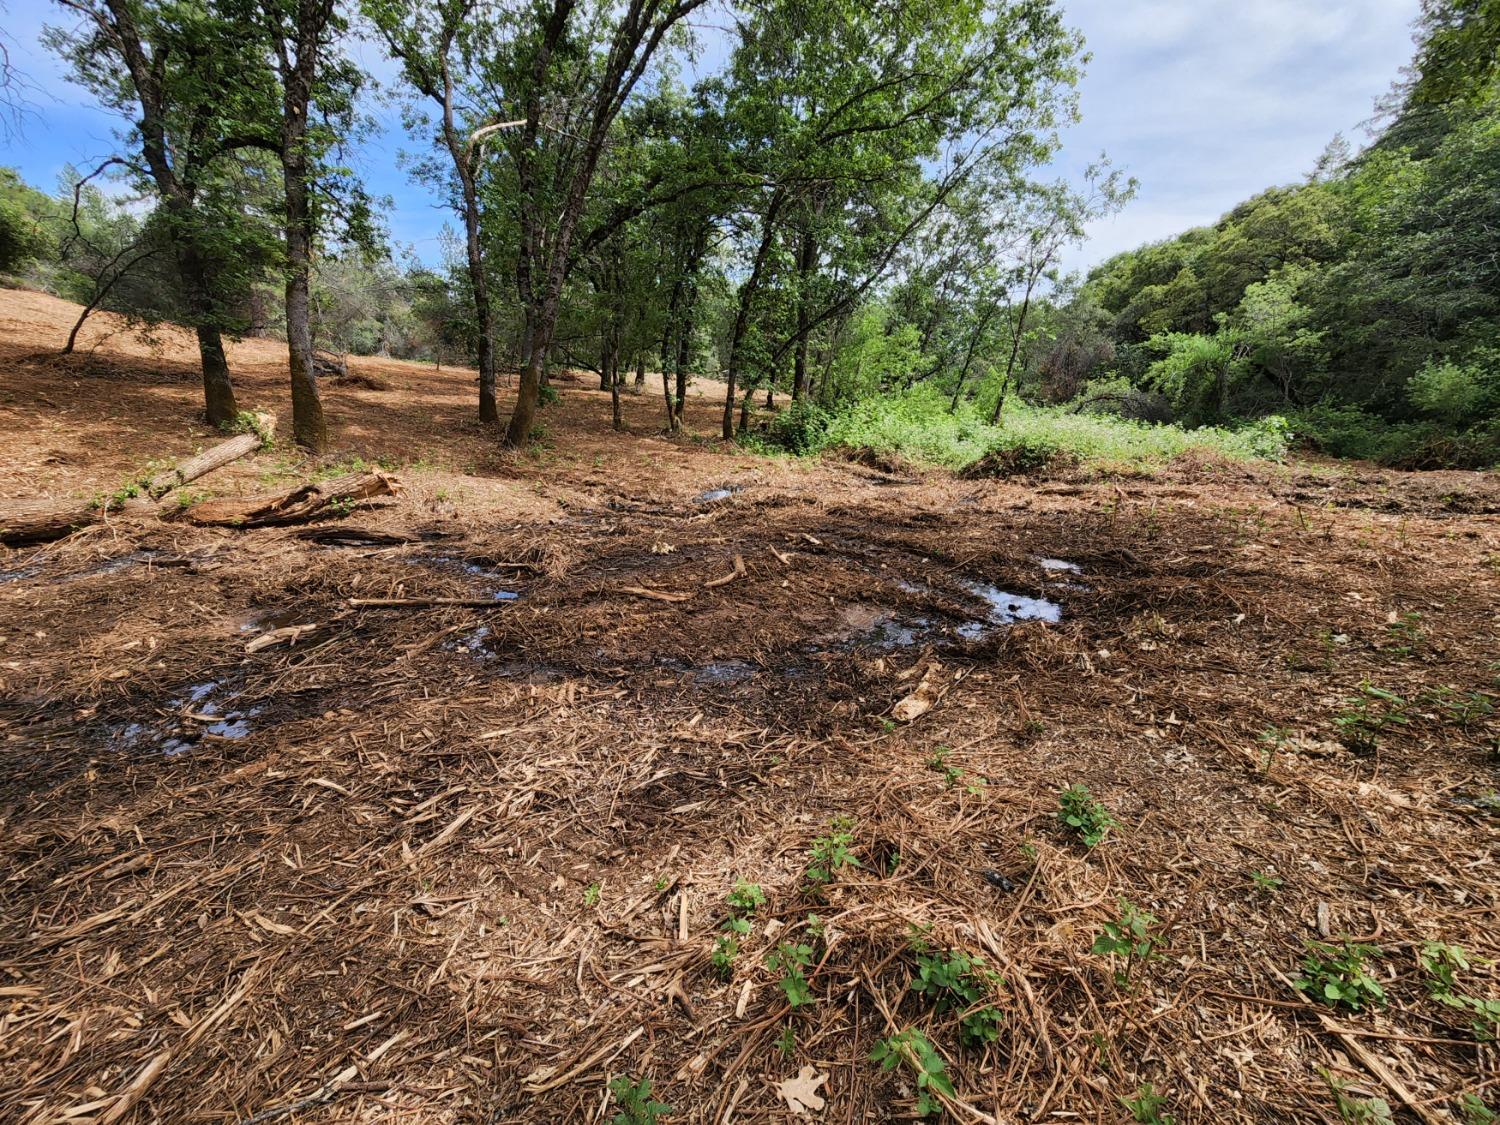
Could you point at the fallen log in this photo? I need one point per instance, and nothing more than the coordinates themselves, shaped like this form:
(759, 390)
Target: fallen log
(24, 522)
(211, 459)
(338, 496)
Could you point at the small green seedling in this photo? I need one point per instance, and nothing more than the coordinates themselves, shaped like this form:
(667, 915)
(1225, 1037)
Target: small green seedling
(1366, 716)
(1475, 1111)
(1338, 975)
(1080, 812)
(591, 894)
(637, 1106)
(786, 1042)
(917, 1052)
(957, 982)
(746, 898)
(1271, 740)
(1405, 633)
(1130, 937)
(791, 961)
(1442, 963)
(1146, 1106)
(1265, 884)
(1357, 1111)
(831, 855)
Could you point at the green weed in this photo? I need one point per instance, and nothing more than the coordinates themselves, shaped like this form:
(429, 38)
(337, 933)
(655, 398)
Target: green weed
(957, 982)
(1129, 936)
(1365, 717)
(831, 855)
(637, 1106)
(791, 961)
(917, 1052)
(1085, 816)
(1338, 975)
(1146, 1106)
(1265, 884)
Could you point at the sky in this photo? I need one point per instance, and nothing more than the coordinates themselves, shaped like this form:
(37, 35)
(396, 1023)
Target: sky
(1206, 102)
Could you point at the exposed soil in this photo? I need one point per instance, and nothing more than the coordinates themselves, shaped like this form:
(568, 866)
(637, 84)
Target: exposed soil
(468, 863)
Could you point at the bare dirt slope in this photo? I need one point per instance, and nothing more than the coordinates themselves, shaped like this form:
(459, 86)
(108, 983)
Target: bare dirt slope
(469, 864)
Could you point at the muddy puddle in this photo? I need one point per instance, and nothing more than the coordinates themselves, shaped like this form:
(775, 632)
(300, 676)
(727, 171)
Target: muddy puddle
(104, 567)
(202, 710)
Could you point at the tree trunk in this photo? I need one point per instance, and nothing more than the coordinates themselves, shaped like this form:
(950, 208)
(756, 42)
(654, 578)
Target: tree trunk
(1015, 348)
(309, 429)
(640, 370)
(218, 392)
(806, 256)
(299, 68)
(614, 382)
(484, 313)
(742, 316)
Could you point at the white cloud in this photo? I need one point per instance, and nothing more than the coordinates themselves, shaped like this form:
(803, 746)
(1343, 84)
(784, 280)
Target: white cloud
(1209, 102)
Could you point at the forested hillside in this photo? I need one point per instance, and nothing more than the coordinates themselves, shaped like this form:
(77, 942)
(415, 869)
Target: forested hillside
(1363, 304)
(851, 214)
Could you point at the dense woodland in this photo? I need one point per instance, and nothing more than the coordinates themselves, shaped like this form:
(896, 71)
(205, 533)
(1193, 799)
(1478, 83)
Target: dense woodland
(849, 214)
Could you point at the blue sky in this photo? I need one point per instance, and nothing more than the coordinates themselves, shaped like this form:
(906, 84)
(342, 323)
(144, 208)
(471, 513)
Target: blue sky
(1205, 101)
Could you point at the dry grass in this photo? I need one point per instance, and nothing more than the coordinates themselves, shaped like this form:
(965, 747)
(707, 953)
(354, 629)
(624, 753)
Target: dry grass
(469, 864)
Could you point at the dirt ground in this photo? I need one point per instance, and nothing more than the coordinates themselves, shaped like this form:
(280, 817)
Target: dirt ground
(470, 863)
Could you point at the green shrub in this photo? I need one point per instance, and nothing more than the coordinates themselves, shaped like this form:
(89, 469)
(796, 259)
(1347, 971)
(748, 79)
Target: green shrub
(800, 428)
(917, 425)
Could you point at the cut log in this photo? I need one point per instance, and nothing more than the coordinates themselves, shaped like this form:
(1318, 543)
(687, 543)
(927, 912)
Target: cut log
(23, 522)
(337, 496)
(211, 459)
(326, 365)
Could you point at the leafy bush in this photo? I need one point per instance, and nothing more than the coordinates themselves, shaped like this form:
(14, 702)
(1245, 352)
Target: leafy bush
(800, 428)
(917, 425)
(1450, 391)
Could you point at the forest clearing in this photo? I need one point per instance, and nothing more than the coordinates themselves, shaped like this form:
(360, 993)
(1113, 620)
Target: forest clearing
(648, 562)
(473, 862)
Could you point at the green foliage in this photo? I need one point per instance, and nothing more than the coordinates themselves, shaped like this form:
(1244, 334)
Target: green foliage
(928, 1068)
(1084, 815)
(1442, 963)
(746, 898)
(790, 960)
(917, 425)
(801, 428)
(1337, 975)
(637, 1106)
(1264, 883)
(1475, 1112)
(26, 223)
(957, 982)
(1455, 393)
(1146, 1106)
(830, 855)
(1130, 937)
(1357, 1111)
(591, 895)
(1365, 717)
